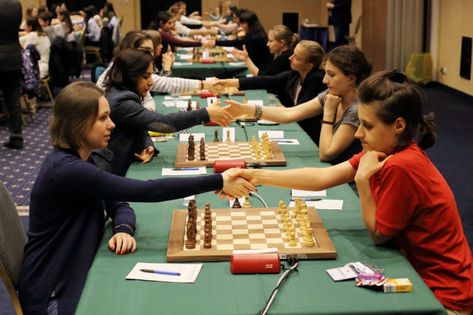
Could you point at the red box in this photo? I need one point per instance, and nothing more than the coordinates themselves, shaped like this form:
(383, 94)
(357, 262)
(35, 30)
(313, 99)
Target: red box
(255, 263)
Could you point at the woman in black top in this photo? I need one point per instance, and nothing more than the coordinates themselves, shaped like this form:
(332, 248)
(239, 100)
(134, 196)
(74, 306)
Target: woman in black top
(294, 87)
(281, 42)
(255, 39)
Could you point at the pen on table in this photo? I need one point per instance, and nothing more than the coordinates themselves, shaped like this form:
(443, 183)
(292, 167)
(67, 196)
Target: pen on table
(306, 199)
(284, 141)
(185, 169)
(161, 272)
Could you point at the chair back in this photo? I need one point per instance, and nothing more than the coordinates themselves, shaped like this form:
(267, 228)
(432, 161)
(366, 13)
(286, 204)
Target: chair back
(12, 242)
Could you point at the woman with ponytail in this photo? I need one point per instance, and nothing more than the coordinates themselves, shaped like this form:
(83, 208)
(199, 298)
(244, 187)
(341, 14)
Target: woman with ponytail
(403, 196)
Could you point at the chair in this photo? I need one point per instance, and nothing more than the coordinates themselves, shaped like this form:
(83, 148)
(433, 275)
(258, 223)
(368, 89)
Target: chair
(45, 83)
(89, 50)
(12, 241)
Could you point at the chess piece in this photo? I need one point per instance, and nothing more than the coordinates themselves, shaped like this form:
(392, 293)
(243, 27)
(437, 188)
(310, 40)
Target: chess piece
(247, 203)
(191, 148)
(228, 136)
(191, 233)
(236, 203)
(197, 106)
(189, 106)
(216, 136)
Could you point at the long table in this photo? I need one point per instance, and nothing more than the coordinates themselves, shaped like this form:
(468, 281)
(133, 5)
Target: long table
(197, 70)
(216, 290)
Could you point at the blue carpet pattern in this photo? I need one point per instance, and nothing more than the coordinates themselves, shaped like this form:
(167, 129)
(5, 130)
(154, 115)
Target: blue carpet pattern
(18, 168)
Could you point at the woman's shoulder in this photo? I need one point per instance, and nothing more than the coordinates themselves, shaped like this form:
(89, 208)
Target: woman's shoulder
(116, 95)
(408, 158)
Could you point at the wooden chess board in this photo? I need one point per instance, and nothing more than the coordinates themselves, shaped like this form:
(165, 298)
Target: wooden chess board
(227, 151)
(245, 228)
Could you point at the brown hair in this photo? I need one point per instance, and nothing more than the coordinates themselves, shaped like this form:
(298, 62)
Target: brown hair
(315, 52)
(397, 97)
(351, 61)
(155, 37)
(75, 108)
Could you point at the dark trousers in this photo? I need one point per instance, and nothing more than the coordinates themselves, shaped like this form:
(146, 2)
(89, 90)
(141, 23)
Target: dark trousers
(10, 85)
(341, 33)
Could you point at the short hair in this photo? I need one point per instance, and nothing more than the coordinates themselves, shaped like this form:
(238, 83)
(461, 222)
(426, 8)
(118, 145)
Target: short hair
(315, 52)
(397, 97)
(127, 67)
(74, 110)
(351, 61)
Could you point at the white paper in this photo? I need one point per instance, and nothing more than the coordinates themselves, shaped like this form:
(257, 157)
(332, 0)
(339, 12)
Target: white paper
(324, 204)
(169, 103)
(286, 141)
(184, 56)
(187, 199)
(180, 63)
(183, 171)
(266, 122)
(235, 64)
(231, 134)
(342, 273)
(212, 100)
(255, 102)
(184, 137)
(308, 193)
(182, 104)
(273, 134)
(188, 272)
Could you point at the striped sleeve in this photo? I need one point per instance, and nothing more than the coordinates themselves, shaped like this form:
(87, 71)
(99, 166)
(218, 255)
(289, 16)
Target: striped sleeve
(173, 85)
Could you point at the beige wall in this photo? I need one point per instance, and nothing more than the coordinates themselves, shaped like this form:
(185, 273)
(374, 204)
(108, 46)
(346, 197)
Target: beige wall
(454, 22)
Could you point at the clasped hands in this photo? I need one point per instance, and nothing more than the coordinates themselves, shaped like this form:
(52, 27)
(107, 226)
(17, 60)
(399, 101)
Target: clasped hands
(237, 183)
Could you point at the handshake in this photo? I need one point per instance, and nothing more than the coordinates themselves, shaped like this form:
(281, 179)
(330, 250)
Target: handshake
(238, 183)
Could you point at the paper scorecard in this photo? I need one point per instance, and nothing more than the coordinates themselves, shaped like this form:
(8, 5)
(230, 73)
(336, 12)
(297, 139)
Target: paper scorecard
(180, 273)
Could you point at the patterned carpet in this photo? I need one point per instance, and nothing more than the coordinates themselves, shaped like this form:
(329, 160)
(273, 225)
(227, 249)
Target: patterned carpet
(18, 168)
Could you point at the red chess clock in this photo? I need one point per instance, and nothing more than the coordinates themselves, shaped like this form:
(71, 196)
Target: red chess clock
(255, 263)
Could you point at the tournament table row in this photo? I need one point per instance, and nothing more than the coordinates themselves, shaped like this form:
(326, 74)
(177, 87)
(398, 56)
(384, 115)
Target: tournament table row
(197, 70)
(217, 291)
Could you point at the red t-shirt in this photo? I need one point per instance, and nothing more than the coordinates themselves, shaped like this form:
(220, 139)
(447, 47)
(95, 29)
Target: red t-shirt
(415, 206)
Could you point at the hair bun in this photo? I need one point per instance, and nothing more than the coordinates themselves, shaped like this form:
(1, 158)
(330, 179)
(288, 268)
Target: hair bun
(397, 76)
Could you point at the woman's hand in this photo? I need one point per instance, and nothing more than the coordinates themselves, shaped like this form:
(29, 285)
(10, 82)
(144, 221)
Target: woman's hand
(235, 186)
(370, 163)
(168, 60)
(146, 155)
(122, 243)
(331, 103)
(219, 115)
(241, 55)
(237, 109)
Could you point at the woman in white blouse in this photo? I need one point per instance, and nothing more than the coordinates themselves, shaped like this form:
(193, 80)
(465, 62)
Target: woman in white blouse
(35, 36)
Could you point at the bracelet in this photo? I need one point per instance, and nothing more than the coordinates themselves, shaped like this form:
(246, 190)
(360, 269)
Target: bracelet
(327, 122)
(124, 226)
(258, 111)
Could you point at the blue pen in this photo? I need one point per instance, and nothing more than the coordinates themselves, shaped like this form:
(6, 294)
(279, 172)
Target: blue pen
(185, 169)
(161, 272)
(306, 199)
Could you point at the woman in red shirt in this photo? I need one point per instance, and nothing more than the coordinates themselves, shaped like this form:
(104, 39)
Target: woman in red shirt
(403, 196)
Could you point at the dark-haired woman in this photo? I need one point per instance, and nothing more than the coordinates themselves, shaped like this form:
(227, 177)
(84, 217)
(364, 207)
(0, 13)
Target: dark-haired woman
(254, 41)
(345, 68)
(403, 196)
(69, 197)
(129, 80)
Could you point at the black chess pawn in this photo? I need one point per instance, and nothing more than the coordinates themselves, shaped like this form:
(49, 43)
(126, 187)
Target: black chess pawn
(189, 106)
(216, 136)
(236, 203)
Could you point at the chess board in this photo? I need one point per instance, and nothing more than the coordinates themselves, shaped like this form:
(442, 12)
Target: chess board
(245, 228)
(228, 151)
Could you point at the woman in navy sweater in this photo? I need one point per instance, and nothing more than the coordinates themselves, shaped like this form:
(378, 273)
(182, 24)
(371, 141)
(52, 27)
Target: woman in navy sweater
(129, 80)
(70, 195)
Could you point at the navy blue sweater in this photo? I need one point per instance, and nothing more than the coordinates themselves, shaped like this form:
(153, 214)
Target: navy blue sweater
(132, 122)
(67, 221)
